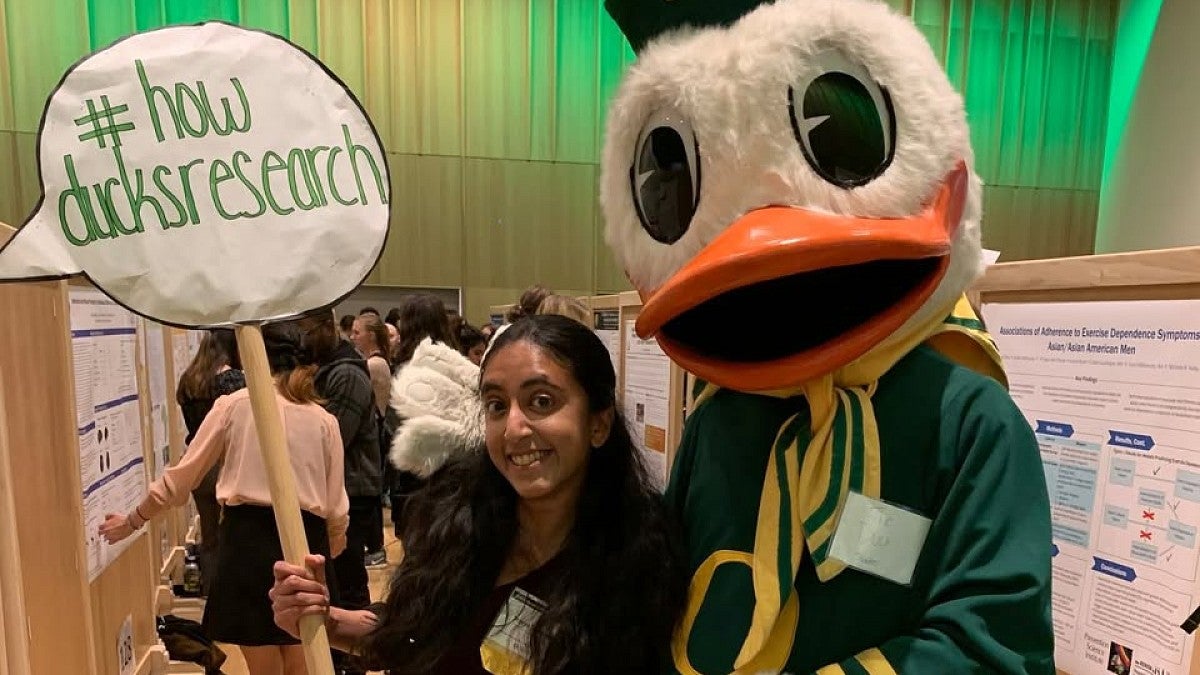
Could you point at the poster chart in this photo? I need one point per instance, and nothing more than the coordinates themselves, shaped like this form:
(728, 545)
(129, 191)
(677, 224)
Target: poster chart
(646, 400)
(1112, 392)
(607, 324)
(156, 373)
(112, 469)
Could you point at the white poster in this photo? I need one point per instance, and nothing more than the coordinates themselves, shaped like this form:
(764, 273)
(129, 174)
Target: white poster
(1112, 391)
(607, 324)
(112, 469)
(647, 386)
(156, 373)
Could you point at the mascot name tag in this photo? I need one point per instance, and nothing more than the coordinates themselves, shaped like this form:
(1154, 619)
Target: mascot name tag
(505, 649)
(878, 538)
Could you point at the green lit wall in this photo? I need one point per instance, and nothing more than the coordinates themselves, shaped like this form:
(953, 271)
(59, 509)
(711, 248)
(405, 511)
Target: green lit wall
(492, 111)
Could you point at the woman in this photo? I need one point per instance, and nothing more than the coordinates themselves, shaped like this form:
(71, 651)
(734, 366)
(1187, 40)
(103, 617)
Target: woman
(371, 339)
(238, 610)
(565, 305)
(471, 342)
(527, 305)
(559, 508)
(215, 370)
(421, 316)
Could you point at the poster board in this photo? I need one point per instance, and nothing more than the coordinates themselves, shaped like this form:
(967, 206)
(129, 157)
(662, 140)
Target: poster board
(606, 321)
(496, 313)
(1103, 358)
(104, 346)
(73, 625)
(651, 393)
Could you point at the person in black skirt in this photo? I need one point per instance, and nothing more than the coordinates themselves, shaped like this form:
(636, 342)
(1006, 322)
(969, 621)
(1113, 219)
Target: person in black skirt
(215, 370)
(238, 610)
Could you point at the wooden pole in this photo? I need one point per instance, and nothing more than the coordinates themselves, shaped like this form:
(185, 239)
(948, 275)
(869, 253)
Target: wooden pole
(282, 481)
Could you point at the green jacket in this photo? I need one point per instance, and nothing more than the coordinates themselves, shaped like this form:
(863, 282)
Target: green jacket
(954, 448)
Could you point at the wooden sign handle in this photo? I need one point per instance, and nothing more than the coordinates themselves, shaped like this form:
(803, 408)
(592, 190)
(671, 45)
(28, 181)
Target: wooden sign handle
(282, 481)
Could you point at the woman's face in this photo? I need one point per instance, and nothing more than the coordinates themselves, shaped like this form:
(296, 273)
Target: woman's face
(361, 338)
(393, 336)
(476, 353)
(539, 430)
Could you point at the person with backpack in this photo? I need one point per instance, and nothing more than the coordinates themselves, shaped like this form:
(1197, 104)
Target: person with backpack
(343, 381)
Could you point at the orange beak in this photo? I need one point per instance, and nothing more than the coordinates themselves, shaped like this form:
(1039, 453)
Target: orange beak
(777, 243)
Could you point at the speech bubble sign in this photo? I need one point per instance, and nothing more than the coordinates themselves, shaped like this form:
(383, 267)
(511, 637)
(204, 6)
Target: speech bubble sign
(206, 175)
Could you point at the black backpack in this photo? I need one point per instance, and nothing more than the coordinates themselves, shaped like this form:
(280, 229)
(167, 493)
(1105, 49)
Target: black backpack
(185, 641)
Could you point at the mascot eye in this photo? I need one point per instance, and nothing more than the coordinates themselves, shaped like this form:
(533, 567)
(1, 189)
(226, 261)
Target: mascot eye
(665, 176)
(844, 122)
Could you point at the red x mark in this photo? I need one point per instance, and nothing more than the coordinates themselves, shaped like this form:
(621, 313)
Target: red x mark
(1148, 515)
(1144, 534)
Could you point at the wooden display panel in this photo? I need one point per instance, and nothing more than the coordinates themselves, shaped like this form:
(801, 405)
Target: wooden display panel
(72, 625)
(14, 651)
(1170, 274)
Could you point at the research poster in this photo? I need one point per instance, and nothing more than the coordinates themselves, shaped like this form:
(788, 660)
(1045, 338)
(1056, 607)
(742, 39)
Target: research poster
(156, 373)
(111, 466)
(607, 323)
(646, 399)
(1112, 392)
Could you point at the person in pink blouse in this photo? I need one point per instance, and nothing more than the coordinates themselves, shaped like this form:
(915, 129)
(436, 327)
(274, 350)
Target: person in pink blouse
(238, 610)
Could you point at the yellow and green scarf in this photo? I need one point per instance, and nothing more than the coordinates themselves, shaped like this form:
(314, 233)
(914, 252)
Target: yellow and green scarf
(804, 489)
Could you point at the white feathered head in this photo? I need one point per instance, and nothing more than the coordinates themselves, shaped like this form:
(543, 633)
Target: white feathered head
(807, 163)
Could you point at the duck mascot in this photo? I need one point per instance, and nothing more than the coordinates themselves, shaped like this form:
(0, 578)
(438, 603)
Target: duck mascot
(789, 186)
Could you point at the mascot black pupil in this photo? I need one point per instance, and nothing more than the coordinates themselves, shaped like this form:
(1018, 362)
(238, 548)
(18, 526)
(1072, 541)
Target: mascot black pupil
(664, 188)
(845, 136)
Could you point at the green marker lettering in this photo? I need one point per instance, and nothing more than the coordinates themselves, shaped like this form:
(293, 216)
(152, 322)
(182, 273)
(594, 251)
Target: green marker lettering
(158, 182)
(182, 90)
(296, 161)
(273, 162)
(214, 181)
(136, 202)
(311, 157)
(104, 198)
(83, 202)
(230, 125)
(332, 181)
(240, 156)
(186, 178)
(150, 91)
(353, 150)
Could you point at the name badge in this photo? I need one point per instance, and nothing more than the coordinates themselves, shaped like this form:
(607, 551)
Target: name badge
(879, 538)
(505, 648)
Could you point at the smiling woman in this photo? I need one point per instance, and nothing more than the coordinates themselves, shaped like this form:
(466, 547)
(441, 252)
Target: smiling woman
(550, 550)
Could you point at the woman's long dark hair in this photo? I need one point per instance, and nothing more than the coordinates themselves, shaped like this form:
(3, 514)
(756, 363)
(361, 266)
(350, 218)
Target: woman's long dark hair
(421, 316)
(218, 348)
(623, 583)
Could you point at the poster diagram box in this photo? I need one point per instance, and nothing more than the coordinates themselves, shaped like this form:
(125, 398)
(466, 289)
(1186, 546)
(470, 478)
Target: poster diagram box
(1121, 472)
(1070, 535)
(1187, 485)
(1143, 551)
(1181, 533)
(1115, 516)
(1154, 498)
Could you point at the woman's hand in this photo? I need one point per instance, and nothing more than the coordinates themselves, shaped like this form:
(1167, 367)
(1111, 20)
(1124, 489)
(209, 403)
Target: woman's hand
(115, 528)
(299, 592)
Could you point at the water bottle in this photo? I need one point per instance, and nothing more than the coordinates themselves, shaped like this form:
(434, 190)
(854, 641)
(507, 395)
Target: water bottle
(191, 571)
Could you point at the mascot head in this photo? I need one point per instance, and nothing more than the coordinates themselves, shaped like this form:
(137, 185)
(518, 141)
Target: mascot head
(800, 163)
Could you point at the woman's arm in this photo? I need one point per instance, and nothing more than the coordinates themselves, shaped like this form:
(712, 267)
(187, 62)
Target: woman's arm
(177, 482)
(301, 591)
(338, 517)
